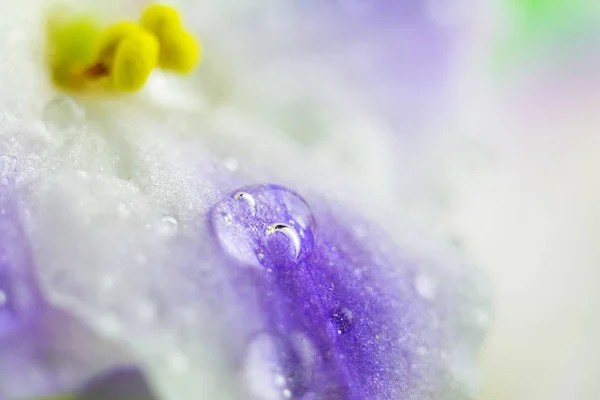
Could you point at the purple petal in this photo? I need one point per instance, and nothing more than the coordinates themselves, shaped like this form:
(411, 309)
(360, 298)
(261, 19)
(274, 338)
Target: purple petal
(344, 316)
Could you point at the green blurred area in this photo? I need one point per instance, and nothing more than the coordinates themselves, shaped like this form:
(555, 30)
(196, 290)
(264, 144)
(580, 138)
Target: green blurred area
(545, 28)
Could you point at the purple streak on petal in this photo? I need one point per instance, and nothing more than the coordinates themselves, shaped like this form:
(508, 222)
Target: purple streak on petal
(19, 296)
(346, 296)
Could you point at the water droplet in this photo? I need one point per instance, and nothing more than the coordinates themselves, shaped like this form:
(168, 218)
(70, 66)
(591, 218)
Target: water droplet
(426, 287)
(287, 393)
(168, 226)
(3, 298)
(226, 217)
(247, 198)
(343, 320)
(247, 225)
(124, 210)
(289, 232)
(280, 380)
(231, 164)
(62, 113)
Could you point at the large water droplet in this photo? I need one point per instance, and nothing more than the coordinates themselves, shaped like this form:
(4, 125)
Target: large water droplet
(343, 320)
(264, 224)
(62, 113)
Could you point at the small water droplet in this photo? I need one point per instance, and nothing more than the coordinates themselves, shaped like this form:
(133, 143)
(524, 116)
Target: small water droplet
(227, 218)
(287, 393)
(3, 298)
(168, 226)
(289, 232)
(426, 287)
(280, 380)
(124, 210)
(343, 320)
(231, 164)
(247, 198)
(61, 113)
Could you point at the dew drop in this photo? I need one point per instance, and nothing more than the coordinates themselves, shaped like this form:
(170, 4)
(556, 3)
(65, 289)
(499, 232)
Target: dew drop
(248, 199)
(289, 232)
(168, 226)
(124, 210)
(425, 287)
(61, 113)
(227, 218)
(343, 320)
(280, 380)
(248, 222)
(231, 164)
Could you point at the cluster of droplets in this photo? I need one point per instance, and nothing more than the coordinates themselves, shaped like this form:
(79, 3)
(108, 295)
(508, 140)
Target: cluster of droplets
(264, 224)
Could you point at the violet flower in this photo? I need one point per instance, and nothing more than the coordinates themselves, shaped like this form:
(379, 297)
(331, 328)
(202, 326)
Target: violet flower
(149, 246)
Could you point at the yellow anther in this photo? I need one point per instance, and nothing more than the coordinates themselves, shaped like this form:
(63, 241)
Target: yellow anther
(135, 57)
(69, 49)
(158, 18)
(110, 39)
(179, 50)
(123, 55)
